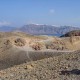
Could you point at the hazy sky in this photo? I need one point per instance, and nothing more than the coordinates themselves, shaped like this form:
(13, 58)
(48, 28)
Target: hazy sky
(54, 12)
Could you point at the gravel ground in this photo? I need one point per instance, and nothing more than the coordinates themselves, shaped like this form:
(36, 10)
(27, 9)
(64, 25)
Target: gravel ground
(62, 67)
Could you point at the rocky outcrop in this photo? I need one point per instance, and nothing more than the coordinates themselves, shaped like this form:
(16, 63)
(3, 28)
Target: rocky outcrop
(20, 42)
(38, 46)
(72, 33)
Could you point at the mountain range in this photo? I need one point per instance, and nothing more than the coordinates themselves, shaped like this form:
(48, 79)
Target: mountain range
(40, 29)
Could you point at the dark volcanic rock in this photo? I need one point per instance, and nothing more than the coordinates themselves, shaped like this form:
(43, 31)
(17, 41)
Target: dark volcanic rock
(72, 33)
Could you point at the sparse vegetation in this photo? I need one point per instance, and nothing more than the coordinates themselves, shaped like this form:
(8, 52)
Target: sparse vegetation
(20, 42)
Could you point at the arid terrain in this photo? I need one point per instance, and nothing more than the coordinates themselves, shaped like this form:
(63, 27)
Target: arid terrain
(39, 39)
(29, 57)
(61, 67)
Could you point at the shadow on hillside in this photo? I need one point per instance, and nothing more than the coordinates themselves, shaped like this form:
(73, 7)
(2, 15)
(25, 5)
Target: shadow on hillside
(26, 56)
(74, 71)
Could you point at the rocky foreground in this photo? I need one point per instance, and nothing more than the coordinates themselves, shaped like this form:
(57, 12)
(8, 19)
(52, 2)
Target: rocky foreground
(28, 57)
(62, 67)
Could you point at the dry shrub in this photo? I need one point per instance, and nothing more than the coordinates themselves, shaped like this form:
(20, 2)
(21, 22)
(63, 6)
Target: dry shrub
(20, 42)
(37, 46)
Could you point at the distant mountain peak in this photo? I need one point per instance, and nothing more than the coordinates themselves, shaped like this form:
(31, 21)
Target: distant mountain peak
(44, 29)
(40, 29)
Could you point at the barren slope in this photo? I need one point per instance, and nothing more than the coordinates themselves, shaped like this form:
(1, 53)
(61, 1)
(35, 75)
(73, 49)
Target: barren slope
(18, 47)
(61, 62)
(62, 67)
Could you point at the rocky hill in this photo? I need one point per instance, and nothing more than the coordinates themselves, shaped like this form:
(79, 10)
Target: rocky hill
(18, 47)
(38, 57)
(72, 33)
